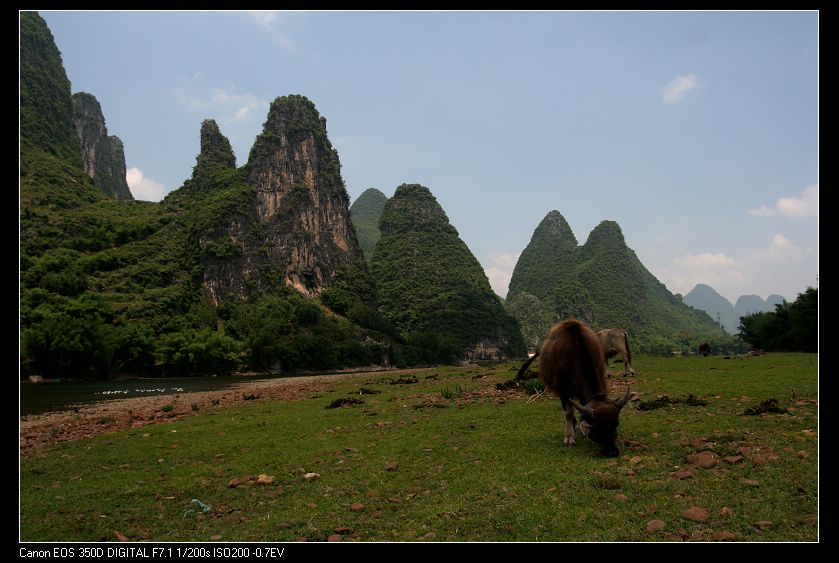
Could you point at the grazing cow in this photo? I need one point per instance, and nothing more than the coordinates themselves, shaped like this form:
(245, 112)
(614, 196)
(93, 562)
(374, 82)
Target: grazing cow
(705, 349)
(572, 367)
(615, 341)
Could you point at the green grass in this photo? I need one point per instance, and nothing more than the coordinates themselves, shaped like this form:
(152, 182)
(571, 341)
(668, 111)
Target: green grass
(483, 466)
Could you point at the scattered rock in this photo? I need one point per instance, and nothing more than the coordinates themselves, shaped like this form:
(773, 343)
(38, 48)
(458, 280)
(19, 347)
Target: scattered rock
(311, 476)
(682, 474)
(235, 482)
(758, 460)
(750, 482)
(356, 507)
(705, 459)
(696, 514)
(733, 458)
(343, 530)
(301, 539)
(120, 536)
(394, 500)
(335, 537)
(264, 479)
(428, 536)
(635, 460)
(723, 535)
(392, 466)
(725, 511)
(621, 497)
(803, 455)
(654, 526)
(216, 537)
(763, 524)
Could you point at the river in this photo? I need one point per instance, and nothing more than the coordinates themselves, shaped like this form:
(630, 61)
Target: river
(44, 397)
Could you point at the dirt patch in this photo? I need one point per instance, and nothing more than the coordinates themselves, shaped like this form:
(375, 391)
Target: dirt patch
(767, 406)
(665, 401)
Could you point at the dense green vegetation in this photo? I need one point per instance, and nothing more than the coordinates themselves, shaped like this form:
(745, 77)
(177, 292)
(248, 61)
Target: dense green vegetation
(450, 458)
(366, 212)
(604, 284)
(46, 108)
(791, 327)
(431, 286)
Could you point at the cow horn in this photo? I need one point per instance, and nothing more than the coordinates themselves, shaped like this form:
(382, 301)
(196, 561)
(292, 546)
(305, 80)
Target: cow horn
(585, 411)
(622, 400)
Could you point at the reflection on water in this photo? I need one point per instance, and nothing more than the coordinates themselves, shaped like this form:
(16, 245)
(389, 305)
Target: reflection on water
(44, 397)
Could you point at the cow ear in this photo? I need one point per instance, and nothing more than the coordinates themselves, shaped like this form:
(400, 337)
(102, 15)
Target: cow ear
(622, 400)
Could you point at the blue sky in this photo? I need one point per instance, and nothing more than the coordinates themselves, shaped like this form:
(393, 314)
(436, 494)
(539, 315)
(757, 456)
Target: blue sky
(696, 132)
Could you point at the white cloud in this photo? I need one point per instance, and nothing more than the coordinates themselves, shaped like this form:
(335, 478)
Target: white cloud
(143, 188)
(804, 205)
(234, 105)
(679, 87)
(500, 270)
(265, 18)
(782, 266)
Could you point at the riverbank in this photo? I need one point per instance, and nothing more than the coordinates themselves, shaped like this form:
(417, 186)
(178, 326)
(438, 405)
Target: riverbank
(40, 431)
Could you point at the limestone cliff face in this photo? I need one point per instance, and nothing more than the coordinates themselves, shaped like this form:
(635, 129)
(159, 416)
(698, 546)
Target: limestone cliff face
(296, 227)
(103, 156)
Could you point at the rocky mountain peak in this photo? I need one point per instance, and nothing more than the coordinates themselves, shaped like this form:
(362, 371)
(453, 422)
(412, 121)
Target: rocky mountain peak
(103, 157)
(215, 147)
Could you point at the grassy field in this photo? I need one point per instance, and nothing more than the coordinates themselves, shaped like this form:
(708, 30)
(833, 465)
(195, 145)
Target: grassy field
(449, 458)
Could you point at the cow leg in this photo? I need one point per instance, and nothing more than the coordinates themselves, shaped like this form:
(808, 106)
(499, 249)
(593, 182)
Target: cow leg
(608, 370)
(570, 439)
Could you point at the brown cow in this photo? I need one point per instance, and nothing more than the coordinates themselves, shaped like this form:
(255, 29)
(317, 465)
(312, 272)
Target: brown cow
(615, 341)
(572, 367)
(705, 349)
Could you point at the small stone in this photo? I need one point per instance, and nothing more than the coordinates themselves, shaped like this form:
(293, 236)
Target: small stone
(654, 526)
(635, 460)
(301, 539)
(216, 537)
(696, 514)
(356, 507)
(705, 460)
(264, 479)
(803, 455)
(734, 458)
(343, 530)
(335, 537)
(311, 476)
(723, 535)
(120, 536)
(682, 474)
(235, 482)
(621, 497)
(758, 459)
(763, 524)
(750, 482)
(551, 489)
(394, 500)
(428, 536)
(392, 466)
(725, 511)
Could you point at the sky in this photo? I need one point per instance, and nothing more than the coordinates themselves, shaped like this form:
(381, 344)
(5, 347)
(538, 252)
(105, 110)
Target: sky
(696, 132)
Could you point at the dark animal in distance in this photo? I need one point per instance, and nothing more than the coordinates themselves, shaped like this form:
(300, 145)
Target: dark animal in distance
(705, 349)
(615, 341)
(572, 367)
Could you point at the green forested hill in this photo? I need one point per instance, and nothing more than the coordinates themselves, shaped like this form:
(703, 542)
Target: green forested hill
(365, 213)
(224, 273)
(432, 287)
(603, 283)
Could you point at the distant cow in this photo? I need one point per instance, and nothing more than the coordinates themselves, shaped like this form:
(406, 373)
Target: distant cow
(705, 349)
(572, 367)
(615, 341)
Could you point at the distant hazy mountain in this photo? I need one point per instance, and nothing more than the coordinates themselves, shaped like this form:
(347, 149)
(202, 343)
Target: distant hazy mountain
(706, 298)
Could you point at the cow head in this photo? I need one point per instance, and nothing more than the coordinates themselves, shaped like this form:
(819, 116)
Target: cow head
(600, 420)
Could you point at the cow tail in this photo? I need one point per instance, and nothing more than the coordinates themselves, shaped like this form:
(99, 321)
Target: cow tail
(526, 365)
(626, 345)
